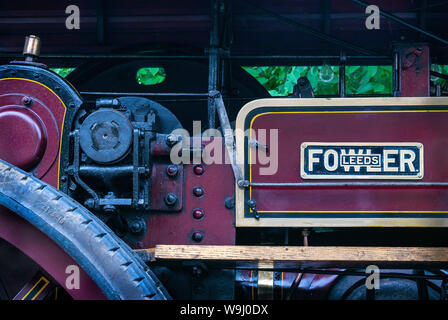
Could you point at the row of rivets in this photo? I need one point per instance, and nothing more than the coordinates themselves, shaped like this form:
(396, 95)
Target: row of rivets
(171, 198)
(198, 214)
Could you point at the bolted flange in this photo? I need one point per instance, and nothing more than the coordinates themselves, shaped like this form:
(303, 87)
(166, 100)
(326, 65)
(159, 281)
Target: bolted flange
(198, 191)
(197, 236)
(170, 199)
(172, 170)
(198, 169)
(198, 214)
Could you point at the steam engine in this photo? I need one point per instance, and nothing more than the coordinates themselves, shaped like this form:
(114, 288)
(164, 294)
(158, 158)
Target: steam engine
(114, 156)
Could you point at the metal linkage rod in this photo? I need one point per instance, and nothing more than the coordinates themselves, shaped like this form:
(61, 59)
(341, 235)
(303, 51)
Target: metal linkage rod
(74, 171)
(214, 61)
(404, 23)
(228, 135)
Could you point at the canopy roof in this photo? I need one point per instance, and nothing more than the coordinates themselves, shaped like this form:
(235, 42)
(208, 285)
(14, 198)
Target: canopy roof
(280, 27)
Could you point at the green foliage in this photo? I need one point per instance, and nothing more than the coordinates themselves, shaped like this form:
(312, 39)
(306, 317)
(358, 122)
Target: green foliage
(280, 80)
(368, 79)
(440, 69)
(63, 72)
(150, 76)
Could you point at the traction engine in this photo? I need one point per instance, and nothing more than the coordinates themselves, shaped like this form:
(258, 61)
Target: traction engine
(287, 198)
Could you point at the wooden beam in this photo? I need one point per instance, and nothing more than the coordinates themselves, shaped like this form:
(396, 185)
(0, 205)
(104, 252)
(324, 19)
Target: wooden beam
(305, 256)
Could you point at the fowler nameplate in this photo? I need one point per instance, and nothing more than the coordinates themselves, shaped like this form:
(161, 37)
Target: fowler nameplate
(322, 160)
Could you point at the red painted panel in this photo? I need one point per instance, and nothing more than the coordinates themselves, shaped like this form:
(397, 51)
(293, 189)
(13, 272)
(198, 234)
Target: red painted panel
(162, 184)
(217, 225)
(45, 253)
(415, 71)
(50, 111)
(428, 128)
(23, 132)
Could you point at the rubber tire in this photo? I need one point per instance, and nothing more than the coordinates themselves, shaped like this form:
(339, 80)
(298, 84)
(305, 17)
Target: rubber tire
(114, 267)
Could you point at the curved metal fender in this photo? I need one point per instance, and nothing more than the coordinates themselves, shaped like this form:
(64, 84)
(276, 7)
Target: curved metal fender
(115, 268)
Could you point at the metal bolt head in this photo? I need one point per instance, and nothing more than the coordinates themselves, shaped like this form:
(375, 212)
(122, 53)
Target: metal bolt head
(172, 170)
(89, 203)
(171, 140)
(170, 199)
(198, 169)
(198, 214)
(243, 183)
(198, 191)
(229, 202)
(136, 226)
(197, 236)
(109, 208)
(27, 101)
(251, 203)
(197, 271)
(72, 186)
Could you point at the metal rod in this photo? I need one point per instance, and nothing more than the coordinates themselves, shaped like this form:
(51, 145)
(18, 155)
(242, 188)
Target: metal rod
(186, 57)
(200, 99)
(292, 57)
(75, 171)
(105, 56)
(213, 61)
(404, 23)
(348, 273)
(228, 135)
(396, 71)
(342, 81)
(136, 164)
(116, 202)
(98, 171)
(311, 31)
(348, 184)
(343, 59)
(148, 94)
(439, 75)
